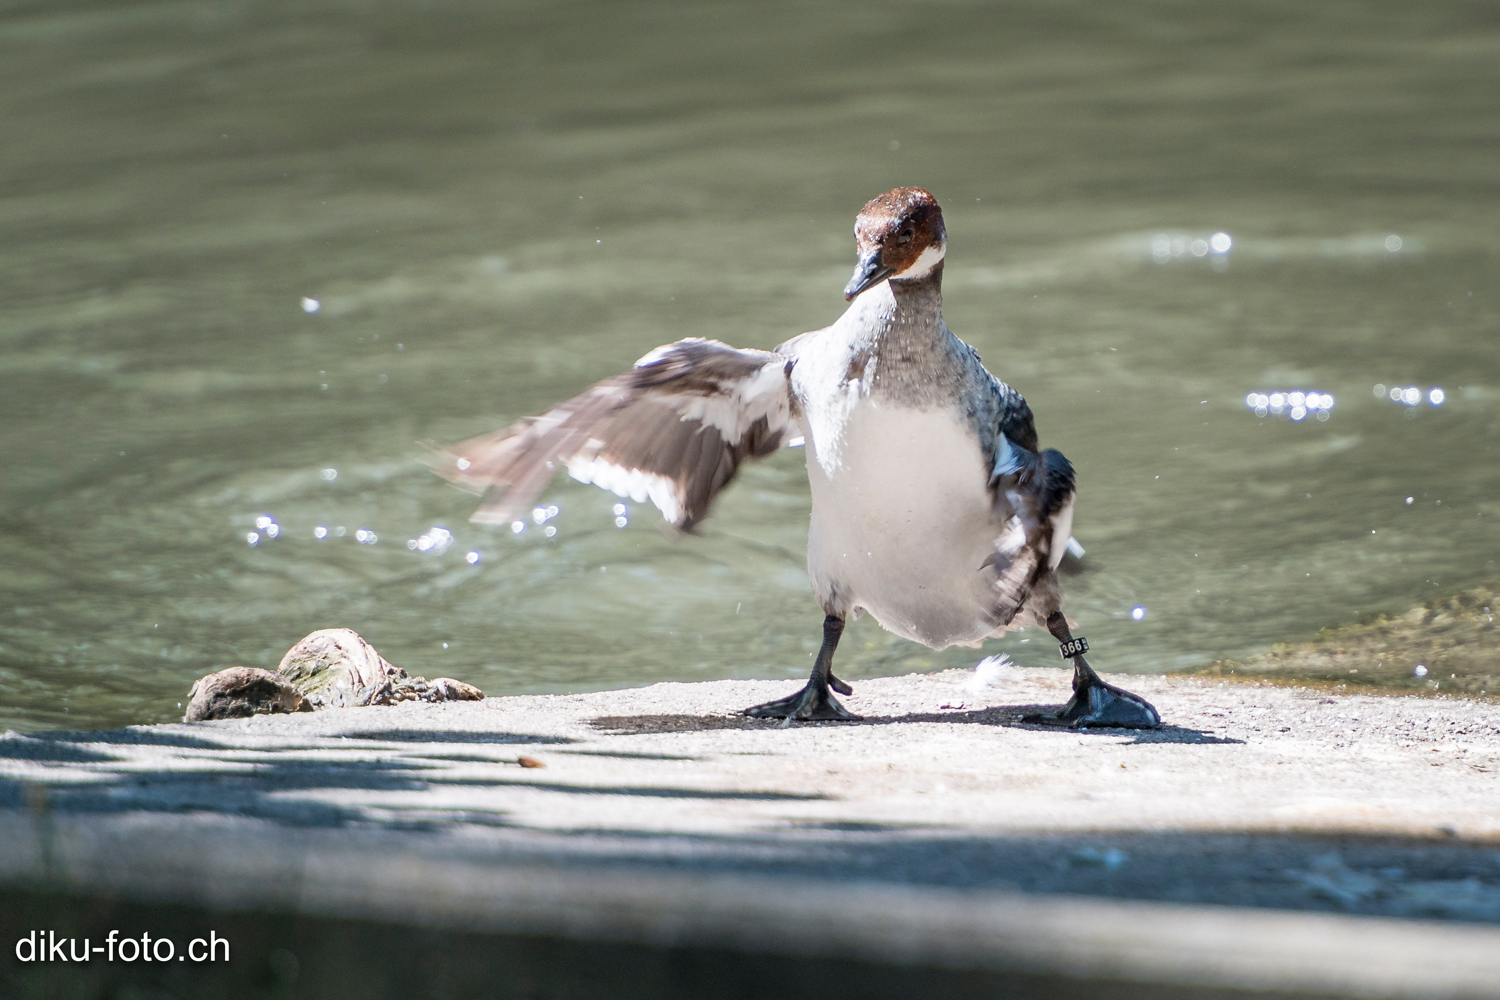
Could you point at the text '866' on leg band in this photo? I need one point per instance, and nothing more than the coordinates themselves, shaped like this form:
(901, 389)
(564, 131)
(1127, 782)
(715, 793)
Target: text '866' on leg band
(1073, 647)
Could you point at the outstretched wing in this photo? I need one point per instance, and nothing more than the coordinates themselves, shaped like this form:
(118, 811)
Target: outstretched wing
(673, 430)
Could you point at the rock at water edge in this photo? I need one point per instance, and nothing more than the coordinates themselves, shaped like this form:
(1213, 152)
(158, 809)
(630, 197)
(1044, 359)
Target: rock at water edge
(240, 692)
(337, 668)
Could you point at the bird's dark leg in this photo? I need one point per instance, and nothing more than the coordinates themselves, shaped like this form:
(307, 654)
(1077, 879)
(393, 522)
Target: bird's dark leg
(814, 701)
(1095, 703)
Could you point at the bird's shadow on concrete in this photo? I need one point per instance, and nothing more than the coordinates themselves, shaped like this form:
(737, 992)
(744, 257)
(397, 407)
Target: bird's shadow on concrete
(1002, 716)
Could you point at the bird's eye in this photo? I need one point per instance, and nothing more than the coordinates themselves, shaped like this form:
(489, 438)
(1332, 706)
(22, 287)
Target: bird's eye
(905, 237)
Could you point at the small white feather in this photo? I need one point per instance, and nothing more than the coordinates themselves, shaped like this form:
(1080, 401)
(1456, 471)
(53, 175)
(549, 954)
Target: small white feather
(989, 672)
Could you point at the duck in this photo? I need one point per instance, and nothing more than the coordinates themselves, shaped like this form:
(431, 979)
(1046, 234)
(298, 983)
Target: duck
(934, 510)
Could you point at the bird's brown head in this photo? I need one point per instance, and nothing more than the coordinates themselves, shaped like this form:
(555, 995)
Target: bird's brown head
(899, 236)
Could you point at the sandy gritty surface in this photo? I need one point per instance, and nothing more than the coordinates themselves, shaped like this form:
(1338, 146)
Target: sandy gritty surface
(1252, 795)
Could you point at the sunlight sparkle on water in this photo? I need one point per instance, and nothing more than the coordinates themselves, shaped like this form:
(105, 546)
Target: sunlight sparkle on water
(1419, 670)
(1138, 613)
(1410, 395)
(310, 305)
(517, 527)
(1295, 405)
(551, 531)
(253, 538)
(329, 475)
(472, 557)
(320, 532)
(1165, 246)
(434, 539)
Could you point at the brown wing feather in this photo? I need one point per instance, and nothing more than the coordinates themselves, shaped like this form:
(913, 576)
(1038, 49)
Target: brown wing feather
(675, 429)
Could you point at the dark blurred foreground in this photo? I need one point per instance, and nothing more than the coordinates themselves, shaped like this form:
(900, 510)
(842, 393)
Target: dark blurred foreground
(278, 956)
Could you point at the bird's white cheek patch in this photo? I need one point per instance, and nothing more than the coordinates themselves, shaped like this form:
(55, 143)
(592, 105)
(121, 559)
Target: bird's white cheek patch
(924, 264)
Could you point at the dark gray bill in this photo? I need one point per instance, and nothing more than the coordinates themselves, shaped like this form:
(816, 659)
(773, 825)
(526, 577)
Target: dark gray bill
(870, 271)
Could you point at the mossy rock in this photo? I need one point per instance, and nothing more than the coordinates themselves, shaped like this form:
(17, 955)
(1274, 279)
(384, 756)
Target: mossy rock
(337, 668)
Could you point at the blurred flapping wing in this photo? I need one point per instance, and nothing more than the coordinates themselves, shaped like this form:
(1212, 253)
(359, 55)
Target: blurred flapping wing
(1033, 502)
(672, 430)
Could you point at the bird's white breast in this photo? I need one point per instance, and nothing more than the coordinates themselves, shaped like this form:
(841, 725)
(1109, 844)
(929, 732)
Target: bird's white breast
(901, 520)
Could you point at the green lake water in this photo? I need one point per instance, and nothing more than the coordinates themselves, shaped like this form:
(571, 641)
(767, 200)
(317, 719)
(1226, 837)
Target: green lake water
(494, 205)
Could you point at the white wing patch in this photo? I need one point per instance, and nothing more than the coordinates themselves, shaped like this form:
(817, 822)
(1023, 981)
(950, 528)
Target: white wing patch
(636, 484)
(761, 395)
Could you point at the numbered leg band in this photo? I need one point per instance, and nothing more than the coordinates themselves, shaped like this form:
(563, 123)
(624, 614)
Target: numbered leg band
(1074, 647)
